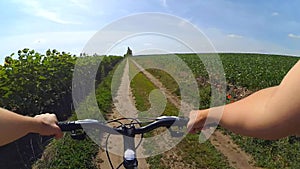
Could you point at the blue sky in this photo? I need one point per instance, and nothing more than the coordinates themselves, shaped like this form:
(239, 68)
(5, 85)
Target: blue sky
(271, 26)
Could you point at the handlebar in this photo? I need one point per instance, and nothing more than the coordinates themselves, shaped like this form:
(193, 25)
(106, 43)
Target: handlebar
(129, 130)
(163, 121)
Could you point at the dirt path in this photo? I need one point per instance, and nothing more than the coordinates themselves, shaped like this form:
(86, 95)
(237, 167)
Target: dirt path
(237, 158)
(123, 103)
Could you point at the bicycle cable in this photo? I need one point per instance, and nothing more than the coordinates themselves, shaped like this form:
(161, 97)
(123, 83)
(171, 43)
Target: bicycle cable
(121, 124)
(107, 154)
(119, 165)
(106, 142)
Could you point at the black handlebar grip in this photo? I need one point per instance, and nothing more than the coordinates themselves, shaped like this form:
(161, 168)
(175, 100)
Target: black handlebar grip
(69, 126)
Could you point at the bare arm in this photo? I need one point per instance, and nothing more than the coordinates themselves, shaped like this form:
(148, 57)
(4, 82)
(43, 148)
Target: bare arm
(14, 126)
(251, 117)
(270, 113)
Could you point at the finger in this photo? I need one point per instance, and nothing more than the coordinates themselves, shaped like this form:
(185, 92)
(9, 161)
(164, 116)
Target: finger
(53, 116)
(58, 133)
(190, 126)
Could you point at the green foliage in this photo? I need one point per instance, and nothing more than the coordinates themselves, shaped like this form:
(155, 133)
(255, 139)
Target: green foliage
(36, 83)
(142, 88)
(33, 83)
(254, 71)
(167, 80)
(128, 53)
(171, 85)
(104, 94)
(283, 153)
(84, 87)
(193, 153)
(142, 95)
(69, 153)
(201, 155)
(155, 162)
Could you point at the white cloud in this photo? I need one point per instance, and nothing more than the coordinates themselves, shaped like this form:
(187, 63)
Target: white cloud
(222, 43)
(52, 16)
(36, 8)
(234, 36)
(81, 4)
(275, 14)
(293, 36)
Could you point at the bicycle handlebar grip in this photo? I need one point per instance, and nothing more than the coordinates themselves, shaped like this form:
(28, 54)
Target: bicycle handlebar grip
(69, 126)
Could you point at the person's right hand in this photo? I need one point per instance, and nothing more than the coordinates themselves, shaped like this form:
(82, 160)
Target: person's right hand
(197, 120)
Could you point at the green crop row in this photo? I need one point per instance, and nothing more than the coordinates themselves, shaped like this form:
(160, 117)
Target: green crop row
(69, 153)
(257, 71)
(32, 83)
(264, 71)
(35, 83)
(189, 151)
(253, 71)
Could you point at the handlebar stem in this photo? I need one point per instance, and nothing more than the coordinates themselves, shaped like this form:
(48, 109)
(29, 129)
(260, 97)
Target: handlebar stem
(130, 160)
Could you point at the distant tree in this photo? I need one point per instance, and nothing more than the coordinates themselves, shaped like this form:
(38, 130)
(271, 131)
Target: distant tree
(128, 53)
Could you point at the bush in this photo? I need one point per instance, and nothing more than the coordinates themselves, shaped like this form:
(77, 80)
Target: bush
(34, 83)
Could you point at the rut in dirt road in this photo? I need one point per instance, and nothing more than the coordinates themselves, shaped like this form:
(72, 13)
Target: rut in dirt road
(123, 107)
(237, 158)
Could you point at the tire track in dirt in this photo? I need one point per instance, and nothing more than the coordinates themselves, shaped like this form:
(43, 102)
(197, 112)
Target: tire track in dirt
(123, 103)
(237, 158)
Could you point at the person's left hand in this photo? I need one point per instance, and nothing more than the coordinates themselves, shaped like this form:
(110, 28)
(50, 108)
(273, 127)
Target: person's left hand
(48, 125)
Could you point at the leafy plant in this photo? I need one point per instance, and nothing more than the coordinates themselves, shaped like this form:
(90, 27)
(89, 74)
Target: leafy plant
(69, 153)
(33, 83)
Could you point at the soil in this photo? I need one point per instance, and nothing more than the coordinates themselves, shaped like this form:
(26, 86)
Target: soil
(123, 102)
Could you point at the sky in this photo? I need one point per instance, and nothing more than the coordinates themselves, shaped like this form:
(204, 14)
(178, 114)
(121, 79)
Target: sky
(271, 26)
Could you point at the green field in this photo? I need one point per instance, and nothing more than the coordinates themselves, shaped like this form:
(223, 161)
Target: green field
(248, 71)
(188, 149)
